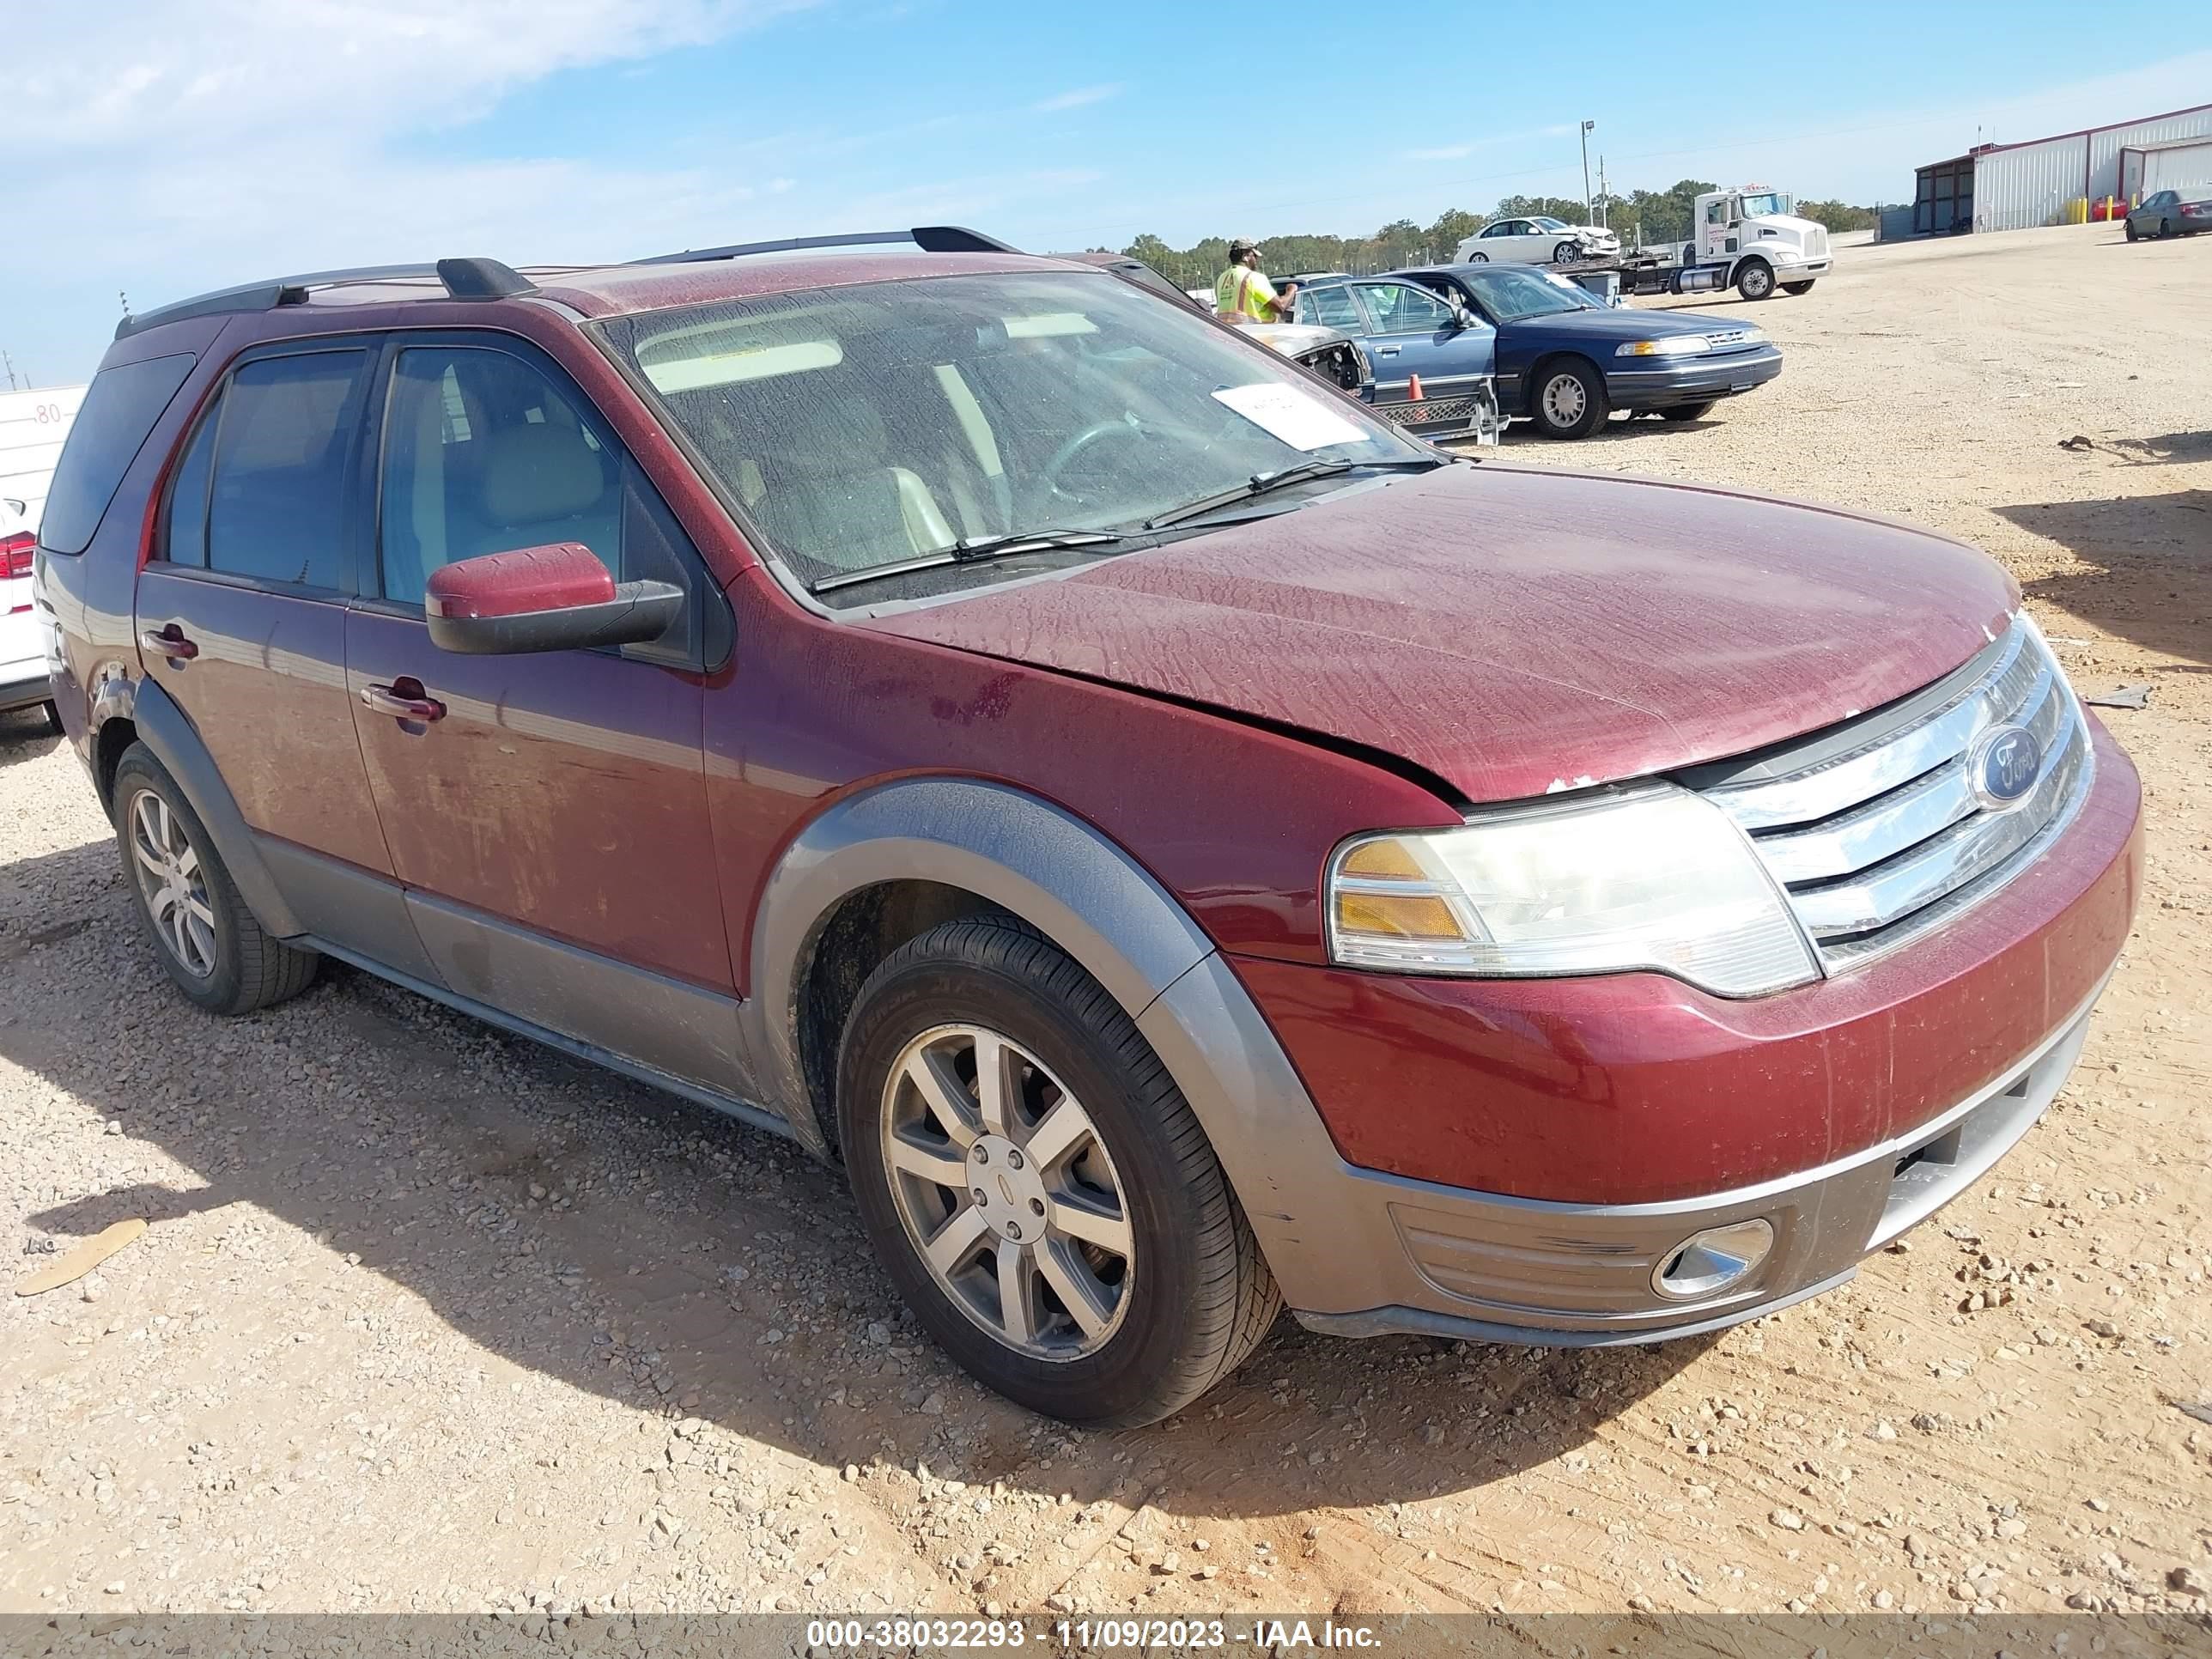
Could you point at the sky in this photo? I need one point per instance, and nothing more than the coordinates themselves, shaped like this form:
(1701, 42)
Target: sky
(156, 149)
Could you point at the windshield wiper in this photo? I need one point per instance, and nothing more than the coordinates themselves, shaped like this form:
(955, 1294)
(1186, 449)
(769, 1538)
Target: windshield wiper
(1260, 482)
(973, 549)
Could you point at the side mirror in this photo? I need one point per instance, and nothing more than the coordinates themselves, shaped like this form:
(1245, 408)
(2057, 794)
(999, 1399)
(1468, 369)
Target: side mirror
(555, 597)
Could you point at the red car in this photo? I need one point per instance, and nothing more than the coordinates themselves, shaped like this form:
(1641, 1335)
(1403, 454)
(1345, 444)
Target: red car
(1183, 846)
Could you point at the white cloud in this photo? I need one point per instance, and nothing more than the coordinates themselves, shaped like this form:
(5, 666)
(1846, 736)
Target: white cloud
(199, 76)
(163, 147)
(1076, 98)
(1446, 153)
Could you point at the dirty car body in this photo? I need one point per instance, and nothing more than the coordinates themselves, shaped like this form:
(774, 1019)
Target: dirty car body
(1176, 842)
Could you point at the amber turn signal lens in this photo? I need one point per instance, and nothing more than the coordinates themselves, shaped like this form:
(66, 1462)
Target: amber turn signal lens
(1395, 916)
(1383, 861)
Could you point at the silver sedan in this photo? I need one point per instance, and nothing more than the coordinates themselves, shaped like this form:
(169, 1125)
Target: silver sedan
(2172, 213)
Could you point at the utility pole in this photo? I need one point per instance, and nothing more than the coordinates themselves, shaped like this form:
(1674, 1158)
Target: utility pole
(11, 363)
(1603, 198)
(1587, 126)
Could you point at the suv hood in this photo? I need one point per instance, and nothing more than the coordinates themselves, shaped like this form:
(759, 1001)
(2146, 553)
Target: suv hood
(1513, 631)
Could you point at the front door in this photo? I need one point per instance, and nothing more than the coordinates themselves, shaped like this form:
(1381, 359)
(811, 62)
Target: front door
(241, 621)
(549, 816)
(1416, 333)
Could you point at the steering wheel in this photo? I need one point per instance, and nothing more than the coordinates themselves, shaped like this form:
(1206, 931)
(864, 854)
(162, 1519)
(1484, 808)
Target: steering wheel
(1119, 428)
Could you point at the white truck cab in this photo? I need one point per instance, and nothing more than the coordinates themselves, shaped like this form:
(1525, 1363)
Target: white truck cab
(1751, 232)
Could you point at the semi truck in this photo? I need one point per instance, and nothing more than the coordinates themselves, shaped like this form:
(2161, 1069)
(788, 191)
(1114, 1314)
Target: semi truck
(1746, 237)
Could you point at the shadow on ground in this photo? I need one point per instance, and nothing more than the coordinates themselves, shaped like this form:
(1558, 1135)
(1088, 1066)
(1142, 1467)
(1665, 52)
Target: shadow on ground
(2151, 557)
(588, 1228)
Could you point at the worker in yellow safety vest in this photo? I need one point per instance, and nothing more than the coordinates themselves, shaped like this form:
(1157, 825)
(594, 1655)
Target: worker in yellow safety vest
(1242, 292)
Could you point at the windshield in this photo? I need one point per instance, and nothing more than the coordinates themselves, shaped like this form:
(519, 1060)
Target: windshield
(1772, 204)
(873, 425)
(1510, 293)
(1549, 224)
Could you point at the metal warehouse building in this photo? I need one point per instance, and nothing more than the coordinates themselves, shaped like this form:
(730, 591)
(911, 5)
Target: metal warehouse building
(2013, 186)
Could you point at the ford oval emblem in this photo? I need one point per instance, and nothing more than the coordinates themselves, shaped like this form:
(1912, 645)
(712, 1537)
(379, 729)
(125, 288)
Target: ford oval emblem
(2002, 767)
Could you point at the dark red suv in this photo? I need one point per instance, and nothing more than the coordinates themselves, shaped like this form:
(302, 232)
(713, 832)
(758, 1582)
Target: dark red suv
(1183, 847)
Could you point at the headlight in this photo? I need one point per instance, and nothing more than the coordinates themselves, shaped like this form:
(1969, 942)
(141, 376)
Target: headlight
(1671, 345)
(1752, 337)
(1654, 878)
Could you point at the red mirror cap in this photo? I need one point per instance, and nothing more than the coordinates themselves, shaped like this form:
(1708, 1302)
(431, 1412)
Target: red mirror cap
(557, 576)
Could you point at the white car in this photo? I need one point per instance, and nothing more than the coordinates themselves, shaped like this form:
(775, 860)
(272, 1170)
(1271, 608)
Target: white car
(1540, 241)
(23, 682)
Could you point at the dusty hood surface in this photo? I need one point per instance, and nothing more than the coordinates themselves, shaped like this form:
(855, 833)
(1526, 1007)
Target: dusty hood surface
(1516, 630)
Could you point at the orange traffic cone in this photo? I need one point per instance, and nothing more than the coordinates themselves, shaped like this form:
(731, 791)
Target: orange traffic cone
(1413, 389)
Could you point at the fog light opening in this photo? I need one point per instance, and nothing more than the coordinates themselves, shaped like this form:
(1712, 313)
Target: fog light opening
(1705, 1264)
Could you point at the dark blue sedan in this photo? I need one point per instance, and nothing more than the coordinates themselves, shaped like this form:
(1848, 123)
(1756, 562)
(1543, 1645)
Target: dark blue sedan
(1565, 360)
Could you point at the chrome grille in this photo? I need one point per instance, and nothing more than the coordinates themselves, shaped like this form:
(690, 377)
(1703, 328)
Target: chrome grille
(1873, 828)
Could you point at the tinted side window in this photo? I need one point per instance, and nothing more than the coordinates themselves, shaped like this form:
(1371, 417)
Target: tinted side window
(184, 530)
(119, 409)
(277, 502)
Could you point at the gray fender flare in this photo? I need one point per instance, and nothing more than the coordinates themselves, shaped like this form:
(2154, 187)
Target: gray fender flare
(1095, 902)
(163, 728)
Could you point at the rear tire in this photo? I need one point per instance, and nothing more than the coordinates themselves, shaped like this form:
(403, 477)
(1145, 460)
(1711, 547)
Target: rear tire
(1127, 1215)
(1567, 399)
(1755, 280)
(209, 942)
(1797, 287)
(2165, 228)
(1687, 411)
(1477, 258)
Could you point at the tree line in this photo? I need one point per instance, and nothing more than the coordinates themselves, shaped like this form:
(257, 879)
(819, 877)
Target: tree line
(1657, 217)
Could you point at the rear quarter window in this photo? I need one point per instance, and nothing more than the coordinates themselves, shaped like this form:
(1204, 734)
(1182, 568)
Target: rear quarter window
(120, 408)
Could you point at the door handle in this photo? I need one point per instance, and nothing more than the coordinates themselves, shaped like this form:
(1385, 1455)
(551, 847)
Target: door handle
(403, 699)
(170, 642)
(1386, 351)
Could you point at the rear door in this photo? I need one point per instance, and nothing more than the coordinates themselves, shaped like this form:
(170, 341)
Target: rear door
(240, 618)
(550, 821)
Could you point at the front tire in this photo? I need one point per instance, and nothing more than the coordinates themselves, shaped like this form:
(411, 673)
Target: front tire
(54, 727)
(1687, 411)
(1565, 252)
(209, 943)
(1036, 1186)
(1755, 279)
(1569, 398)
(1797, 287)
(2131, 235)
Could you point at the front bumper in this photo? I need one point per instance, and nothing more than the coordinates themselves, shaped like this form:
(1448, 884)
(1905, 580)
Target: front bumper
(1511, 1159)
(1694, 381)
(1485, 1268)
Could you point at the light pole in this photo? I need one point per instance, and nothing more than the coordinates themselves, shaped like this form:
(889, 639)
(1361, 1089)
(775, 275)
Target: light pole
(1587, 126)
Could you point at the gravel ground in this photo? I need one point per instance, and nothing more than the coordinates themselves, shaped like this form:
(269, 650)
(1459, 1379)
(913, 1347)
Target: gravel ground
(428, 1318)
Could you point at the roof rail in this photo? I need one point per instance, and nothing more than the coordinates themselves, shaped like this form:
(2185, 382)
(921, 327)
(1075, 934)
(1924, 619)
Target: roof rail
(464, 279)
(930, 239)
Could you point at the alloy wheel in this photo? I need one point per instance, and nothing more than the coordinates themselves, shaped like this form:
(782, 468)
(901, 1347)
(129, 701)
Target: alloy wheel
(171, 882)
(1007, 1191)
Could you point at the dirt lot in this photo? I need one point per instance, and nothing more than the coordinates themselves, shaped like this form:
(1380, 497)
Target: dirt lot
(428, 1318)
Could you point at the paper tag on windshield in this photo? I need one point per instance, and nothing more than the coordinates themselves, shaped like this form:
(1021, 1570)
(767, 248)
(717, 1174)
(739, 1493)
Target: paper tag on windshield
(1299, 419)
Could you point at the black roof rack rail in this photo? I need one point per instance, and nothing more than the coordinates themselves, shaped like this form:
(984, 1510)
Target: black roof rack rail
(464, 279)
(930, 239)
